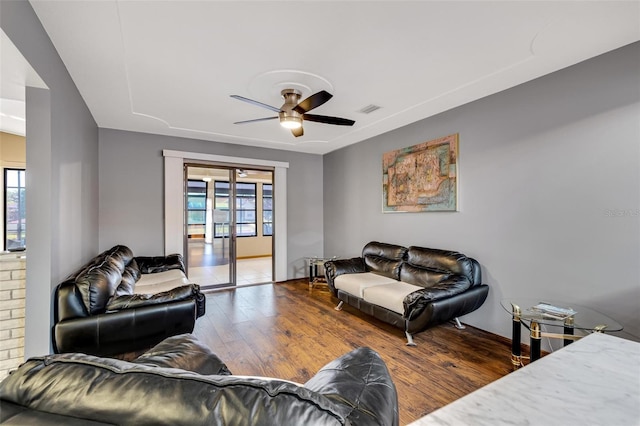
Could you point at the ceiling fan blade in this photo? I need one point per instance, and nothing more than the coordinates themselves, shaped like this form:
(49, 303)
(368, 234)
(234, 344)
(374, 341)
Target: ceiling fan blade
(328, 120)
(313, 101)
(297, 132)
(251, 101)
(255, 120)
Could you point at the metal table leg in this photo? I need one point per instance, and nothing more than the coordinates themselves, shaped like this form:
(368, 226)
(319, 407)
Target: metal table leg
(536, 339)
(516, 352)
(568, 329)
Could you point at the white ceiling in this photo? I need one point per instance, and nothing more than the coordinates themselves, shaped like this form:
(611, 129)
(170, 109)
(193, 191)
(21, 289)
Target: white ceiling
(15, 75)
(168, 67)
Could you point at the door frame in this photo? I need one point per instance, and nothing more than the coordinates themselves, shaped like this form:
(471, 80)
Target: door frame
(174, 201)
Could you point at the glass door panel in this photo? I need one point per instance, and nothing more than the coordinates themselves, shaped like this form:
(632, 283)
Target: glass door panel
(210, 244)
(254, 224)
(229, 225)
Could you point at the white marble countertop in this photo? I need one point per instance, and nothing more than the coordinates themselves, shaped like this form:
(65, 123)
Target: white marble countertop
(594, 381)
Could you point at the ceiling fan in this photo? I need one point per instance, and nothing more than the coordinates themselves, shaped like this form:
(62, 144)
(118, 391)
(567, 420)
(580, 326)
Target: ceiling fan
(292, 113)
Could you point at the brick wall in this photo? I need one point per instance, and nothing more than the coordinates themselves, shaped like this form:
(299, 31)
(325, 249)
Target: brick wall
(12, 293)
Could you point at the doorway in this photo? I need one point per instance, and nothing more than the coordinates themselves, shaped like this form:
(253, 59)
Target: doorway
(229, 226)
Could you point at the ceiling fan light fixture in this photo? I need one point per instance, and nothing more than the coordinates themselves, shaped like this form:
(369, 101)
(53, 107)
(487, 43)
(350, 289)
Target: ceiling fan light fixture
(293, 112)
(291, 122)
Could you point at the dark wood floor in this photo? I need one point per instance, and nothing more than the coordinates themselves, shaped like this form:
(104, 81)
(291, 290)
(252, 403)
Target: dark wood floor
(287, 331)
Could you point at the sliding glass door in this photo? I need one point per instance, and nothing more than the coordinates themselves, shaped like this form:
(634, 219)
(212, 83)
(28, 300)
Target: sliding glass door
(228, 225)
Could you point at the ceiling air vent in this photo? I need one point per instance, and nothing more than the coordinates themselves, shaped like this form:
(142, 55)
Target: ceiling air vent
(369, 109)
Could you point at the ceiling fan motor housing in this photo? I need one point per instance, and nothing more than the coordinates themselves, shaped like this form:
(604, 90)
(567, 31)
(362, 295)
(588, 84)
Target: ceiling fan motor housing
(287, 113)
(294, 111)
(291, 99)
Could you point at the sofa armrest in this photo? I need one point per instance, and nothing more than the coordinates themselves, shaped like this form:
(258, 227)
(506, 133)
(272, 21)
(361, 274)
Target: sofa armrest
(153, 264)
(360, 382)
(67, 302)
(139, 300)
(444, 310)
(334, 268)
(124, 331)
(414, 303)
(345, 266)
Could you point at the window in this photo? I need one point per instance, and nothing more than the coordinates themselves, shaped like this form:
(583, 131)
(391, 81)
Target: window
(15, 226)
(245, 208)
(196, 207)
(221, 202)
(267, 209)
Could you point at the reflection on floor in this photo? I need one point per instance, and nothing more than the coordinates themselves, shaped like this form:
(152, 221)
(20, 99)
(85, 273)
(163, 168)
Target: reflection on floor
(250, 271)
(209, 265)
(208, 254)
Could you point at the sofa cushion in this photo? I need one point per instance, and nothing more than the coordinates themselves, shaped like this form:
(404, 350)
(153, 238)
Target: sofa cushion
(17, 415)
(136, 301)
(441, 260)
(422, 277)
(160, 281)
(97, 284)
(121, 256)
(130, 276)
(384, 259)
(390, 296)
(186, 352)
(153, 264)
(356, 283)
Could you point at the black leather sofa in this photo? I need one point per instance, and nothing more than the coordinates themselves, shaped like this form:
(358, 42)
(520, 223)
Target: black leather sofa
(181, 382)
(118, 303)
(411, 288)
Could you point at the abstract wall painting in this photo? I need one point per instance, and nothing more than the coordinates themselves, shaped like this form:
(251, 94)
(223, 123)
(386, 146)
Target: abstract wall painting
(421, 178)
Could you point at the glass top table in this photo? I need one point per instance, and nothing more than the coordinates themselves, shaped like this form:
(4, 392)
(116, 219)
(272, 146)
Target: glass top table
(532, 313)
(316, 269)
(584, 318)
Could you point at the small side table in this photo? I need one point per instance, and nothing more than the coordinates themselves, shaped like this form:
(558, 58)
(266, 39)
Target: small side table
(314, 276)
(584, 320)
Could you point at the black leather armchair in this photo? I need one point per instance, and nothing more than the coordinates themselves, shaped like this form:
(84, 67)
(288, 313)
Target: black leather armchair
(101, 310)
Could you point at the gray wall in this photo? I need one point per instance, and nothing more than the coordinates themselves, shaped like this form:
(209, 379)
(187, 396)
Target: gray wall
(550, 187)
(62, 185)
(131, 192)
(549, 191)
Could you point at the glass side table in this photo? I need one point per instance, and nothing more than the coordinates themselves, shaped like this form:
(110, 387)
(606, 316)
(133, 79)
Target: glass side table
(576, 322)
(316, 269)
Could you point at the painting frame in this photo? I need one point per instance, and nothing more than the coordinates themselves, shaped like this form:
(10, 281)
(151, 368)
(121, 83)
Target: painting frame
(422, 177)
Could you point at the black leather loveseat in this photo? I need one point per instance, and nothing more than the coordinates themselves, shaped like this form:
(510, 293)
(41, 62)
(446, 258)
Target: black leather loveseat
(118, 303)
(411, 288)
(181, 382)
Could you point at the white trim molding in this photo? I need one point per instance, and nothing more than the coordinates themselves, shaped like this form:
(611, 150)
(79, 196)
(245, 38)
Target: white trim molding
(174, 201)
(224, 159)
